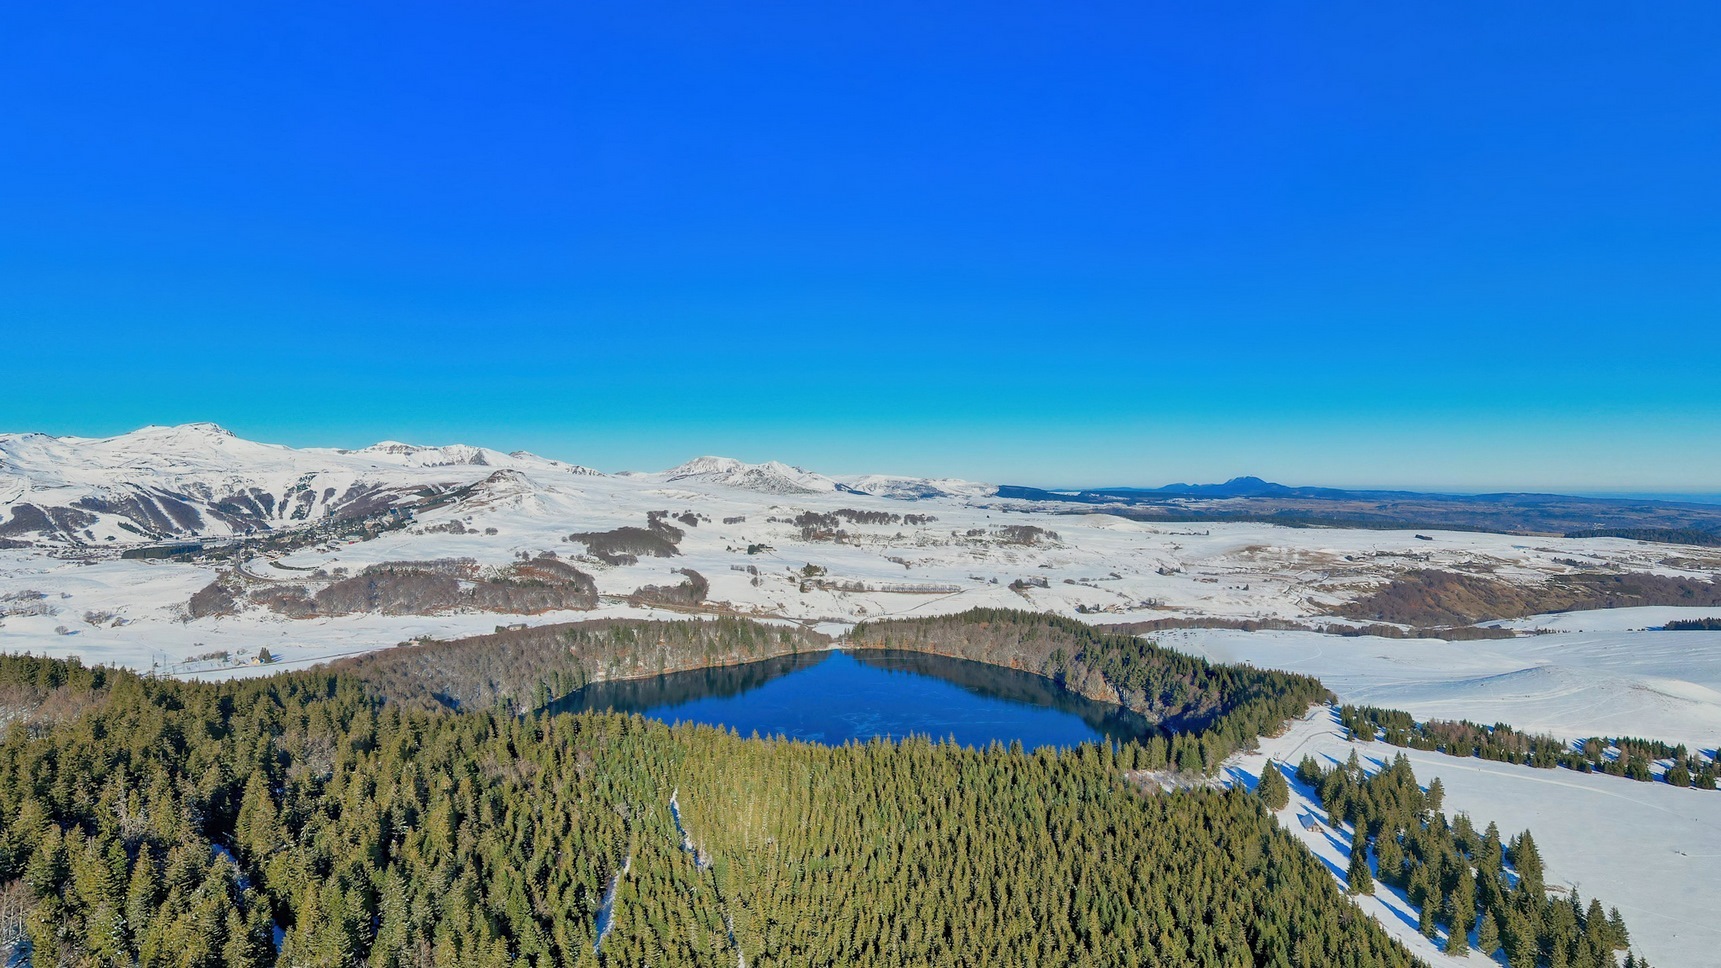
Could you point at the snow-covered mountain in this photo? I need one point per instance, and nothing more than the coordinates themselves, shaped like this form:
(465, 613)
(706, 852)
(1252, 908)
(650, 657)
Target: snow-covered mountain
(771, 477)
(774, 477)
(914, 488)
(201, 480)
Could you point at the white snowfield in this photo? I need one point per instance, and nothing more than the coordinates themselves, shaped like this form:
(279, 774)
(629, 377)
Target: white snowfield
(1608, 673)
(1648, 848)
(1573, 684)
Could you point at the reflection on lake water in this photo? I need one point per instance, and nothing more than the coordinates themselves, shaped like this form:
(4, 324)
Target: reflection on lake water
(834, 697)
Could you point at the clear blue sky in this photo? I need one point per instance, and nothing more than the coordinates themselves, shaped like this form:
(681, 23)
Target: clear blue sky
(1452, 245)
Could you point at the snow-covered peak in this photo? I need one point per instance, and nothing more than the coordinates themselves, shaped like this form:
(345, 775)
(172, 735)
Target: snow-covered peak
(462, 455)
(178, 436)
(705, 465)
(414, 455)
(771, 477)
(152, 451)
(202, 428)
(914, 488)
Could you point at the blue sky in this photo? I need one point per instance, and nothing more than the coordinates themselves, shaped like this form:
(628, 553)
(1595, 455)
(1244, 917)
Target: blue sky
(1456, 246)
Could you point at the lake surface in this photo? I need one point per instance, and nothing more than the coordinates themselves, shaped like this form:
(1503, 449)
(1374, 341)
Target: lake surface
(834, 697)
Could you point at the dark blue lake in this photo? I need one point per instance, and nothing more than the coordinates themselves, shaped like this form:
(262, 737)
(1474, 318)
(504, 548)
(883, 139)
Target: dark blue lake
(834, 697)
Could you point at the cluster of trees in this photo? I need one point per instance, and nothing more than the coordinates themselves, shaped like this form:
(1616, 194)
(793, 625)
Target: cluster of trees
(526, 587)
(625, 545)
(1617, 756)
(1217, 708)
(689, 592)
(216, 598)
(827, 526)
(1431, 597)
(1026, 535)
(1694, 625)
(1690, 536)
(519, 670)
(1462, 633)
(1465, 884)
(193, 824)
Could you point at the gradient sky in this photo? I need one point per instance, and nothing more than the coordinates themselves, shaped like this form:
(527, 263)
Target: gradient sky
(1456, 245)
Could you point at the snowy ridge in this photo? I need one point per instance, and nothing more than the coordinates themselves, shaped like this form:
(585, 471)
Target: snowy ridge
(914, 488)
(201, 480)
(771, 477)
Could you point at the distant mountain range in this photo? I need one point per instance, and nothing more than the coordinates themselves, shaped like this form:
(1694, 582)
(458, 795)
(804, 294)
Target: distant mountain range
(1254, 499)
(161, 483)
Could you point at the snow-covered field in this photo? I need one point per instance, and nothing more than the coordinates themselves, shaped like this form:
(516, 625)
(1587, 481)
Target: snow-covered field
(1571, 684)
(1649, 848)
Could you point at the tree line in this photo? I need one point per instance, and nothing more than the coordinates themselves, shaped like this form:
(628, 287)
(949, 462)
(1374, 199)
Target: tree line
(1629, 757)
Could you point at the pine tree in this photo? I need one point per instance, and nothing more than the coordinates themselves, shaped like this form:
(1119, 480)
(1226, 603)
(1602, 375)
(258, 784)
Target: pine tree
(1527, 861)
(142, 892)
(257, 829)
(1358, 879)
(1522, 949)
(1488, 936)
(1621, 937)
(1459, 916)
(1273, 789)
(1390, 856)
(1492, 855)
(1308, 771)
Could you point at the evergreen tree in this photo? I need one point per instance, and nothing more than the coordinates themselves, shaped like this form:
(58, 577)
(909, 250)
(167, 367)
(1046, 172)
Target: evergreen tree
(1621, 937)
(1274, 791)
(1308, 770)
(1390, 856)
(1460, 908)
(1527, 861)
(1357, 878)
(1488, 935)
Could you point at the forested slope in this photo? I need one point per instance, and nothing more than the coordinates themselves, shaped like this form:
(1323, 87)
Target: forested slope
(525, 668)
(382, 834)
